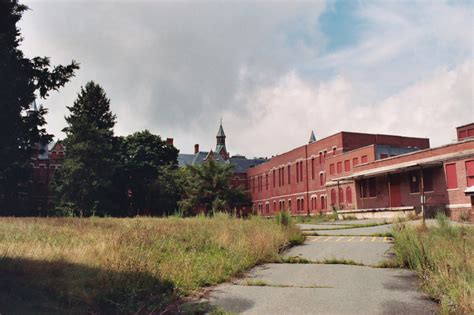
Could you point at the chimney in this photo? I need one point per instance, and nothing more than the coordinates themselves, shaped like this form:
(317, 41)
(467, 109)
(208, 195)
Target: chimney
(169, 141)
(196, 148)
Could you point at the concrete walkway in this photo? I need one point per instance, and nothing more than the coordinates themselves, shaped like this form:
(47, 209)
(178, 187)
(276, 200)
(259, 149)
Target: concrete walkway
(317, 288)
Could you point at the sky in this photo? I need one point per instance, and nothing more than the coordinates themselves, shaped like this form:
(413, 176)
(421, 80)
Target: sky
(273, 71)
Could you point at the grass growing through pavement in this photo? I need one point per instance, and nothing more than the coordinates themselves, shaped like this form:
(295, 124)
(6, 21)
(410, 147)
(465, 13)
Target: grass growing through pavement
(57, 265)
(443, 257)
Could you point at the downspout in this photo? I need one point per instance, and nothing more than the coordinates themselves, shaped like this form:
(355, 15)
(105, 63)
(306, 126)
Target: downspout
(307, 180)
(422, 194)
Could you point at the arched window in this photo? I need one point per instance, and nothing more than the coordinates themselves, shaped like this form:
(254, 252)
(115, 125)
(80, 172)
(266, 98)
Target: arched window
(321, 179)
(333, 196)
(323, 203)
(341, 195)
(349, 195)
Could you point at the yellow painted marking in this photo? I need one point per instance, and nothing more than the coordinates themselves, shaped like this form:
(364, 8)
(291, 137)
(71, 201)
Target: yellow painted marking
(363, 238)
(386, 239)
(328, 239)
(351, 239)
(373, 239)
(340, 238)
(315, 239)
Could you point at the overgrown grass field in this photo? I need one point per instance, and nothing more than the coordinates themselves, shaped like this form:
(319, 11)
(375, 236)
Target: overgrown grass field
(126, 265)
(443, 256)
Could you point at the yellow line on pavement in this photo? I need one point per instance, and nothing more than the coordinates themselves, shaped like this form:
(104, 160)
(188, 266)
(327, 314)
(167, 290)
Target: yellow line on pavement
(363, 238)
(340, 238)
(386, 239)
(373, 239)
(327, 239)
(351, 239)
(315, 239)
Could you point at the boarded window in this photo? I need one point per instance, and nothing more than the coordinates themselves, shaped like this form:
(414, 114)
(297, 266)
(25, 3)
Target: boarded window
(428, 180)
(341, 195)
(470, 173)
(372, 187)
(355, 161)
(289, 174)
(331, 169)
(333, 196)
(349, 195)
(363, 159)
(339, 167)
(414, 179)
(347, 166)
(451, 176)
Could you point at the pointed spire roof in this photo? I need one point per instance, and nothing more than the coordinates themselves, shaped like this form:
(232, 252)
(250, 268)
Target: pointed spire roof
(312, 138)
(220, 132)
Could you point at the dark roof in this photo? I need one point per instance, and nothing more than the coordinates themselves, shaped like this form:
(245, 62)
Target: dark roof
(240, 163)
(220, 132)
(185, 159)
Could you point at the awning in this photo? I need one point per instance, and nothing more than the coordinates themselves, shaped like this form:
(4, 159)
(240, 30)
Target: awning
(469, 191)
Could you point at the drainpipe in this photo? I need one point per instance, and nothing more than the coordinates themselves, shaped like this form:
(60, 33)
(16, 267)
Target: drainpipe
(338, 196)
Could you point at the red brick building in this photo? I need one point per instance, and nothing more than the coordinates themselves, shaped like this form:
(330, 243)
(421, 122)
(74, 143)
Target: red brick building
(367, 174)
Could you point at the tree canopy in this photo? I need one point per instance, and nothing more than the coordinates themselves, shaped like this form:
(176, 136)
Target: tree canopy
(21, 80)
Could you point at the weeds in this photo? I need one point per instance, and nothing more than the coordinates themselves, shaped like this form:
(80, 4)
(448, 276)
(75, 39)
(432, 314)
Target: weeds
(443, 257)
(123, 265)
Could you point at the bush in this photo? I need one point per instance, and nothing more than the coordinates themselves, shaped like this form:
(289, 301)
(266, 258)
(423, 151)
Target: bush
(283, 218)
(443, 257)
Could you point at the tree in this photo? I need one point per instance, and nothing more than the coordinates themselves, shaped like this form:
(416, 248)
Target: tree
(85, 180)
(148, 165)
(208, 187)
(20, 79)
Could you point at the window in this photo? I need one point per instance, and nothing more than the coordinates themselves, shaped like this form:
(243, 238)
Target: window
(312, 168)
(320, 157)
(274, 179)
(267, 208)
(383, 156)
(279, 177)
(451, 176)
(372, 187)
(266, 181)
(331, 169)
(363, 159)
(321, 179)
(274, 206)
(297, 172)
(349, 195)
(341, 195)
(363, 188)
(470, 173)
(302, 204)
(333, 151)
(414, 179)
(355, 161)
(339, 167)
(428, 180)
(301, 170)
(297, 204)
(333, 196)
(323, 203)
(289, 174)
(289, 204)
(282, 176)
(347, 166)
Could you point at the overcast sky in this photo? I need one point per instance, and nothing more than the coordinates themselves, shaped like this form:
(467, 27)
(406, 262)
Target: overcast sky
(273, 71)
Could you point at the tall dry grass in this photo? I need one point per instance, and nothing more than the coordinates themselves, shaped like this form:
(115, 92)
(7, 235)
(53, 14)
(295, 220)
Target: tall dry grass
(443, 257)
(127, 265)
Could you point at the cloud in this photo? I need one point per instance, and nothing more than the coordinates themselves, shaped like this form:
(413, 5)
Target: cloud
(176, 67)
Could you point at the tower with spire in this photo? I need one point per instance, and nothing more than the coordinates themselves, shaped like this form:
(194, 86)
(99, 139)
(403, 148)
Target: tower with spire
(220, 145)
(312, 137)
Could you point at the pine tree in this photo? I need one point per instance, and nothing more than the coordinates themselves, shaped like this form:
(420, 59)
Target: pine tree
(20, 79)
(85, 181)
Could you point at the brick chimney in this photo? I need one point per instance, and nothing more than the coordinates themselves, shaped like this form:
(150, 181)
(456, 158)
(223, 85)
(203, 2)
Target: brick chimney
(196, 148)
(169, 141)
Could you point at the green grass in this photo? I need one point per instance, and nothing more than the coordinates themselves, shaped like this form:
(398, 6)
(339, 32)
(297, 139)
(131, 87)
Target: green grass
(60, 265)
(443, 257)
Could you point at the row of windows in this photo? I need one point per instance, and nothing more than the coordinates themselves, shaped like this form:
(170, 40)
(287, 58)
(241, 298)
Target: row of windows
(347, 165)
(452, 177)
(339, 199)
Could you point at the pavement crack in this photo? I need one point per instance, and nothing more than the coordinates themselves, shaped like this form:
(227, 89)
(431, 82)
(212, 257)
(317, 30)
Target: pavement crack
(262, 283)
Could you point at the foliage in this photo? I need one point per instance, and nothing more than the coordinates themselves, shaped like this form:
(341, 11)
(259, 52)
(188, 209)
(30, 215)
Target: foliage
(147, 168)
(443, 257)
(283, 218)
(208, 188)
(139, 265)
(20, 79)
(85, 180)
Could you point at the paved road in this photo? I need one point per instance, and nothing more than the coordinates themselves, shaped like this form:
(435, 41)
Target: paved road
(324, 288)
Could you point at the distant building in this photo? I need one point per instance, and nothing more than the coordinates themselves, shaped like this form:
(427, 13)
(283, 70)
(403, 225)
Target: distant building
(368, 175)
(240, 163)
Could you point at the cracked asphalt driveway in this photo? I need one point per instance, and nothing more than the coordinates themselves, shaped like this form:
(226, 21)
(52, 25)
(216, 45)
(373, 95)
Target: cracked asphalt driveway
(315, 288)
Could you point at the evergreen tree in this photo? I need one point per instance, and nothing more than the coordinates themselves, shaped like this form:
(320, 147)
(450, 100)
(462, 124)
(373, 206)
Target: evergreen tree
(85, 180)
(208, 187)
(20, 79)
